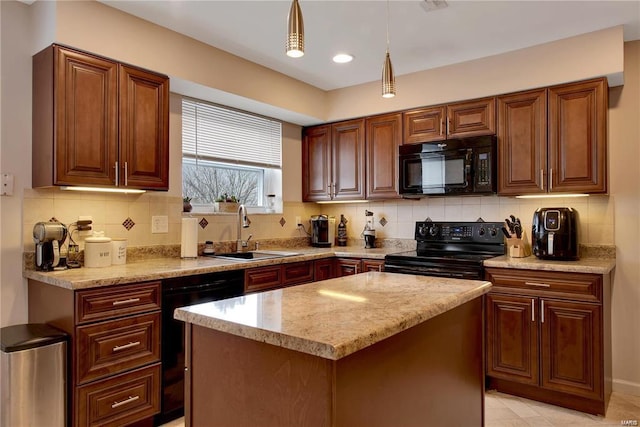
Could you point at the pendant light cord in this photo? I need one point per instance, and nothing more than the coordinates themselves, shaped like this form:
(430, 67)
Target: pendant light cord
(387, 26)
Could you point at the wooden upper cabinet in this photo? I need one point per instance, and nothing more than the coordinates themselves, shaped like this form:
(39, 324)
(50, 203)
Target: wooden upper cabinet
(578, 137)
(93, 116)
(333, 162)
(553, 140)
(471, 118)
(383, 137)
(347, 140)
(462, 119)
(144, 128)
(424, 125)
(316, 163)
(522, 142)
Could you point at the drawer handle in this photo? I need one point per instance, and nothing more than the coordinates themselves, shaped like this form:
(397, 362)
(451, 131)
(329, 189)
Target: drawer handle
(124, 402)
(542, 311)
(126, 301)
(126, 346)
(540, 285)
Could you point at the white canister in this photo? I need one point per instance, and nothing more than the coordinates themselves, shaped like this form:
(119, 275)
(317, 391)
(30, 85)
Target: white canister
(118, 251)
(97, 251)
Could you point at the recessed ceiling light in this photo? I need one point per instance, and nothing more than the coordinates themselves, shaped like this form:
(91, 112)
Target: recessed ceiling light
(342, 58)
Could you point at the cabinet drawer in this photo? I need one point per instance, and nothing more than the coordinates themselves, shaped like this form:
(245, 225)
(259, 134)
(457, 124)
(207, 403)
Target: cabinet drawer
(120, 400)
(372, 265)
(112, 347)
(105, 303)
(574, 286)
(297, 273)
(257, 279)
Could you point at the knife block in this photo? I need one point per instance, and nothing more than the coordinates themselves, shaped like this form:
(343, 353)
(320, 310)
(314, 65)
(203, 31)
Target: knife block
(519, 248)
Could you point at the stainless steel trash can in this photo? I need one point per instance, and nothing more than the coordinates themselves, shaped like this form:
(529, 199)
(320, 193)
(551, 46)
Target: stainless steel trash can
(33, 368)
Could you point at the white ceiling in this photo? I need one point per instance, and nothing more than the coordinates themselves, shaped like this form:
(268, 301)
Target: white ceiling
(419, 40)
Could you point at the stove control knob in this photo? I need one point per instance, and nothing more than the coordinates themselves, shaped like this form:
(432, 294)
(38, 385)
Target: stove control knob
(422, 230)
(434, 230)
(493, 232)
(481, 231)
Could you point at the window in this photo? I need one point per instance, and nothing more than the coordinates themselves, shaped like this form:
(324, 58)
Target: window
(226, 151)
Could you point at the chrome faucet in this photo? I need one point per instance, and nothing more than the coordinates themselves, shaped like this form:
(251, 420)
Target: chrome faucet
(243, 222)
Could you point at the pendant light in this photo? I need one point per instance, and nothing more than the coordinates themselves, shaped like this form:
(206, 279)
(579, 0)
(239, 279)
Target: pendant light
(388, 79)
(295, 34)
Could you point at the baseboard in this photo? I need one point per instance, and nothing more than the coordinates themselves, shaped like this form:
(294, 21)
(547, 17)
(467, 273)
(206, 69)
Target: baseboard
(626, 387)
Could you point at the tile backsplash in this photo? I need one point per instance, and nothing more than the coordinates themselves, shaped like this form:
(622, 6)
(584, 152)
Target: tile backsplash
(113, 213)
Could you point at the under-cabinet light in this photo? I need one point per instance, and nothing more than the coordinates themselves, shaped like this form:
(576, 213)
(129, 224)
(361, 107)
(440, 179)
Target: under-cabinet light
(550, 196)
(104, 190)
(343, 201)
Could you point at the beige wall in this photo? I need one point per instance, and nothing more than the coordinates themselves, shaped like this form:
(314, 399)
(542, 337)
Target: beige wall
(97, 28)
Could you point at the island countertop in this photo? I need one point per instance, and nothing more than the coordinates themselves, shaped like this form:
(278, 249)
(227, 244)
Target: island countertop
(337, 317)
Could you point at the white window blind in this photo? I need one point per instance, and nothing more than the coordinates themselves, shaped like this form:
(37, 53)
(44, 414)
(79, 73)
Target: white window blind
(215, 133)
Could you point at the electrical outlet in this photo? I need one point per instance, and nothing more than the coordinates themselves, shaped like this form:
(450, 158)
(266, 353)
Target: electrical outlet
(298, 221)
(159, 224)
(88, 229)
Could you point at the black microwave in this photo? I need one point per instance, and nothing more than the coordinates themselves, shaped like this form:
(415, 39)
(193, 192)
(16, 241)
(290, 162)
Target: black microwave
(449, 167)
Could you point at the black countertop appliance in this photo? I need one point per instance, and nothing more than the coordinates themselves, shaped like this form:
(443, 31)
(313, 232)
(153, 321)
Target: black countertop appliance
(555, 233)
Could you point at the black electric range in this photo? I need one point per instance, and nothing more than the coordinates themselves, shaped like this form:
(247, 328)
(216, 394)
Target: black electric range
(449, 249)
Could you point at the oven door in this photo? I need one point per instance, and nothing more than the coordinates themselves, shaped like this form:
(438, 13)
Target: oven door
(436, 269)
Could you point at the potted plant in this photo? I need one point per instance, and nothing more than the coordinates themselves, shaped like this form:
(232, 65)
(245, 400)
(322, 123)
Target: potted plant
(186, 204)
(227, 203)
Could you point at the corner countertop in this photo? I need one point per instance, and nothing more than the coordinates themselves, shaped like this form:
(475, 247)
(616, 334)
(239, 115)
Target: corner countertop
(164, 268)
(583, 265)
(336, 317)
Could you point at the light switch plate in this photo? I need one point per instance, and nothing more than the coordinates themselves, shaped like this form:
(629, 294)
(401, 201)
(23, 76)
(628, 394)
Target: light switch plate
(159, 224)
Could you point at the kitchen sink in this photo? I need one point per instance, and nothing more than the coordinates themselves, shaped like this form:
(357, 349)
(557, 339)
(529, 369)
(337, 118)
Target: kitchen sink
(256, 255)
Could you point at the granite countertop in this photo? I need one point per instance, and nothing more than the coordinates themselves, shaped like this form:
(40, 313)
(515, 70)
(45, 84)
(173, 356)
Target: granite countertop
(584, 265)
(167, 267)
(336, 317)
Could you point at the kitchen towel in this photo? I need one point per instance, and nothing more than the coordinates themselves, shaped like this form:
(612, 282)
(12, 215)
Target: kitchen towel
(189, 242)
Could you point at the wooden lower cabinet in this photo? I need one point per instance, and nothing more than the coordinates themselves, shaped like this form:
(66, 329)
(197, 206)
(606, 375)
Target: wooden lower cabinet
(114, 357)
(277, 276)
(349, 266)
(324, 269)
(548, 337)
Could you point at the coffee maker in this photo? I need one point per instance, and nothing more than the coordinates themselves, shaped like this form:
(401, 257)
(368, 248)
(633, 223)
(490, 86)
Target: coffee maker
(555, 233)
(48, 238)
(322, 231)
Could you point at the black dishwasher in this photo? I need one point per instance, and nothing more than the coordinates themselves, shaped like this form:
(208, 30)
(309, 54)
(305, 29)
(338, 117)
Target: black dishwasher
(180, 292)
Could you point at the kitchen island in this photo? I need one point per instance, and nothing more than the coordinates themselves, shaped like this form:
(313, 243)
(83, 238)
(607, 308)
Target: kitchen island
(375, 349)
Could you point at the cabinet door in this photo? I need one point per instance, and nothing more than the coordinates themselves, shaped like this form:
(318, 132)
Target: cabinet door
(297, 273)
(383, 137)
(512, 338)
(424, 125)
(571, 347)
(471, 118)
(347, 266)
(86, 123)
(578, 137)
(522, 142)
(347, 141)
(372, 265)
(262, 278)
(324, 269)
(144, 129)
(316, 164)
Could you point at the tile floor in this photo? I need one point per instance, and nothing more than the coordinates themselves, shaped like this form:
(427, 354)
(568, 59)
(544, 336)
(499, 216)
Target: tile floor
(504, 410)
